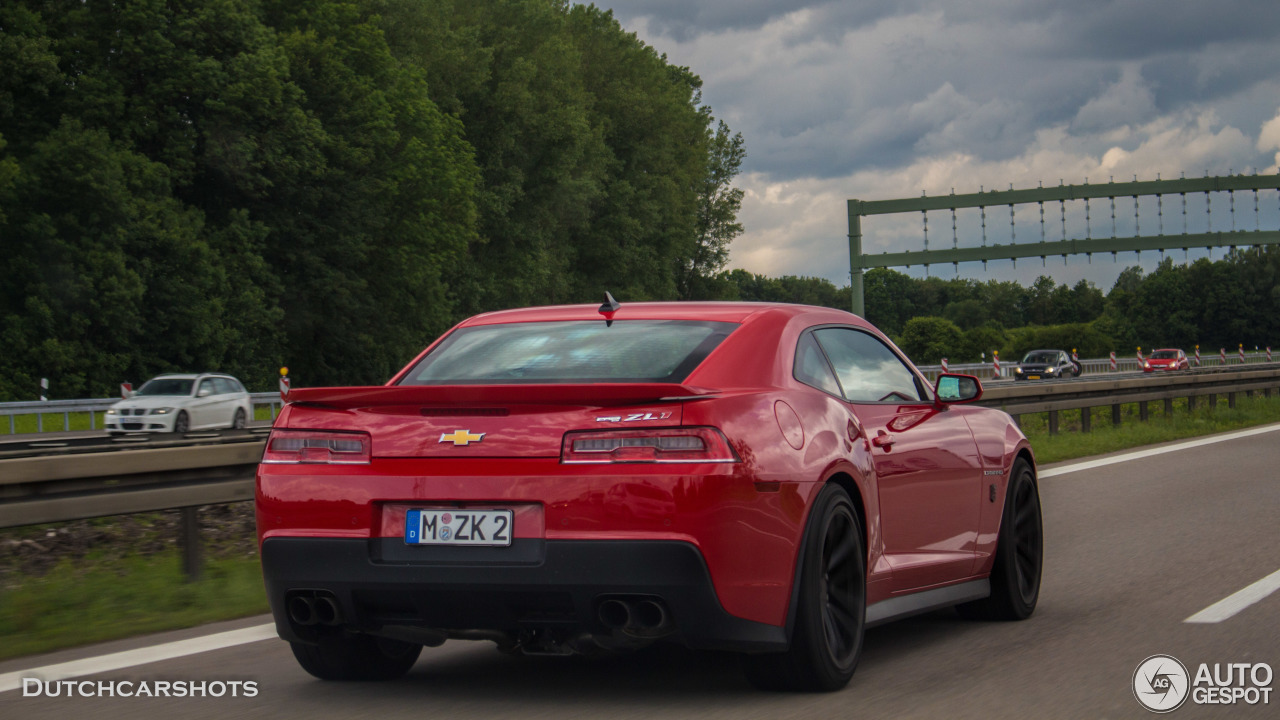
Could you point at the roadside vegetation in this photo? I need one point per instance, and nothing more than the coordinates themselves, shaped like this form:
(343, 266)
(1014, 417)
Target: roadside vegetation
(79, 421)
(962, 319)
(102, 596)
(330, 184)
(1160, 427)
(69, 584)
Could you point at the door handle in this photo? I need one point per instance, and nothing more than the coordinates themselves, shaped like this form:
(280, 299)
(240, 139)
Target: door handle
(882, 440)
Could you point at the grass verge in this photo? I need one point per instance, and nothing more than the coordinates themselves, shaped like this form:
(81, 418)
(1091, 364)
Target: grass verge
(77, 421)
(102, 597)
(108, 594)
(1161, 426)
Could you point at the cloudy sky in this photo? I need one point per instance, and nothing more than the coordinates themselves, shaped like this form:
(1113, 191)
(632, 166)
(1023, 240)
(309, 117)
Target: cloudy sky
(879, 99)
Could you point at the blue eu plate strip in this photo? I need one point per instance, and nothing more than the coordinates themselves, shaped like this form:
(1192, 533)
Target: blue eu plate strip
(412, 526)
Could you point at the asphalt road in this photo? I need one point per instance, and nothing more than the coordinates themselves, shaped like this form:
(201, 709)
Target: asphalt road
(1132, 550)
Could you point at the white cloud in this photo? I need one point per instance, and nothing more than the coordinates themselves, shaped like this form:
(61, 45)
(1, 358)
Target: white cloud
(1126, 101)
(1269, 139)
(890, 98)
(800, 226)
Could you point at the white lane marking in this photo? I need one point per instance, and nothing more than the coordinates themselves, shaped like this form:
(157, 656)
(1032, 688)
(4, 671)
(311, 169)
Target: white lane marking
(1139, 454)
(1236, 602)
(140, 656)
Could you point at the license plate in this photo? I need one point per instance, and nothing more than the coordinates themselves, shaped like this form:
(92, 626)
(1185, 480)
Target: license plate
(1033, 377)
(458, 527)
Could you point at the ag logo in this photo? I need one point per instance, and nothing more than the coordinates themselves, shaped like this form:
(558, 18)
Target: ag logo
(1161, 683)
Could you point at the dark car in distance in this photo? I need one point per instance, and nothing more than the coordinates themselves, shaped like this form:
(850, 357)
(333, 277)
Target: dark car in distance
(1045, 365)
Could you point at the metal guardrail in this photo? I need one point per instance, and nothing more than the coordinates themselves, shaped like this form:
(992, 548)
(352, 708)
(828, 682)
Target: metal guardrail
(50, 481)
(984, 370)
(1089, 366)
(66, 483)
(1084, 395)
(93, 406)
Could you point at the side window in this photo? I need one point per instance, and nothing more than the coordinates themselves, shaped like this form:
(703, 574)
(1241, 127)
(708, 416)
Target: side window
(867, 369)
(206, 388)
(223, 386)
(811, 367)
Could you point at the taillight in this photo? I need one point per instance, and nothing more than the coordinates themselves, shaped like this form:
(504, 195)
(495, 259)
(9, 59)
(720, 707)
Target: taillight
(318, 446)
(665, 445)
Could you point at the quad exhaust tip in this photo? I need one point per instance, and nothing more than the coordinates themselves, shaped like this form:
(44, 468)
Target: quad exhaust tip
(636, 616)
(320, 608)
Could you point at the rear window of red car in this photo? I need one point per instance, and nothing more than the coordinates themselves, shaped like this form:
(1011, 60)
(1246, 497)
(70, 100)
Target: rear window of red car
(576, 351)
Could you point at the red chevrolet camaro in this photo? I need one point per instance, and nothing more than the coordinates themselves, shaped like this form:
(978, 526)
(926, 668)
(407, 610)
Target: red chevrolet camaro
(766, 479)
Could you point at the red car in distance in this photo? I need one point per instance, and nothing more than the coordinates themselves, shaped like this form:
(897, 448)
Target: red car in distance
(1168, 359)
(761, 478)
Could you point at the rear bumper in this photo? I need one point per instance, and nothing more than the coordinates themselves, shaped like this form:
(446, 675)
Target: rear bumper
(535, 584)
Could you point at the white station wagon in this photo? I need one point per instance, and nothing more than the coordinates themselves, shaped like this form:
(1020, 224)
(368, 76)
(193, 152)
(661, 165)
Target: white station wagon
(182, 402)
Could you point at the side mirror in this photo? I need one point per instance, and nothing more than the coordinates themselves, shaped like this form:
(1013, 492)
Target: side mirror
(204, 392)
(952, 388)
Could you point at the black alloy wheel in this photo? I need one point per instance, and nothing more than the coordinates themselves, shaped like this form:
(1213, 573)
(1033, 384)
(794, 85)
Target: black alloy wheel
(842, 588)
(831, 612)
(1019, 560)
(182, 424)
(1028, 540)
(238, 423)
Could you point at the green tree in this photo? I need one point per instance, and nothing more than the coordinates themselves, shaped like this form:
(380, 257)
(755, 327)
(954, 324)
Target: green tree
(888, 298)
(926, 340)
(979, 342)
(967, 314)
(718, 206)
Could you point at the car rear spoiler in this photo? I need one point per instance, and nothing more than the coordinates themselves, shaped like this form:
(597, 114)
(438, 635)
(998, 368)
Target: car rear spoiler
(589, 394)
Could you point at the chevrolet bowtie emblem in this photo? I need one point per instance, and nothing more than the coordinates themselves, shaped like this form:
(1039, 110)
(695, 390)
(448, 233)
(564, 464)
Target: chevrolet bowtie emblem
(461, 437)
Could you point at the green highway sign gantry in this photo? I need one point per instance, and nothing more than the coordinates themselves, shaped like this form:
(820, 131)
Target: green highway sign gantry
(858, 261)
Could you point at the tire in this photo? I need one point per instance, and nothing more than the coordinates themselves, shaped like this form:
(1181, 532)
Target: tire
(182, 424)
(1019, 561)
(831, 611)
(238, 423)
(357, 657)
